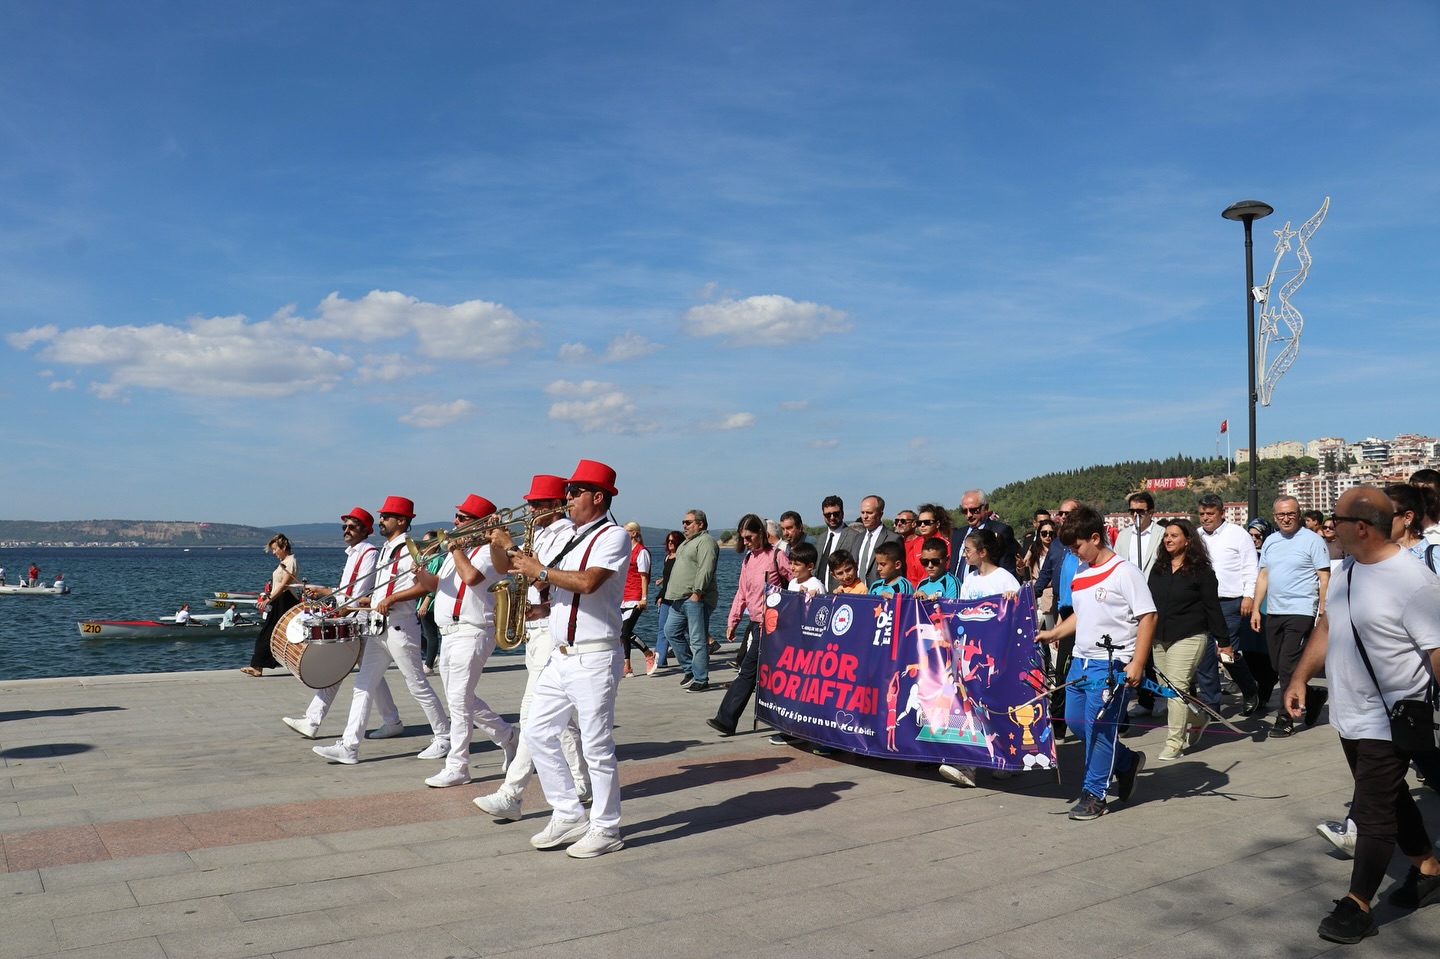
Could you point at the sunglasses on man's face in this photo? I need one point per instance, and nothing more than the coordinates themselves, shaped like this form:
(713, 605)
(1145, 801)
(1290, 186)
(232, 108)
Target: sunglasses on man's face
(832, 515)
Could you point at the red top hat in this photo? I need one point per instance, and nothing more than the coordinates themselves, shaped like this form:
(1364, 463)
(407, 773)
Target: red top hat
(597, 474)
(476, 506)
(362, 516)
(398, 505)
(545, 486)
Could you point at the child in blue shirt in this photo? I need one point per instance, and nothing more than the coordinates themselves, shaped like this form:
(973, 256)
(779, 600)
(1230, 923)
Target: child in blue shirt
(934, 556)
(890, 567)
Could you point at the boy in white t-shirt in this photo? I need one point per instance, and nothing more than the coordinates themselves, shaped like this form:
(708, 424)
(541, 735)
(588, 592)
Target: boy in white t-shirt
(803, 557)
(1112, 605)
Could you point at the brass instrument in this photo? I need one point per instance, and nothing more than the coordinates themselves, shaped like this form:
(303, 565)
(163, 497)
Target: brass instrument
(512, 594)
(465, 535)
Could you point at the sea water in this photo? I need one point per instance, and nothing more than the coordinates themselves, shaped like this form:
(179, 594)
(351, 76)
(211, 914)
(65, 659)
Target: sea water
(40, 636)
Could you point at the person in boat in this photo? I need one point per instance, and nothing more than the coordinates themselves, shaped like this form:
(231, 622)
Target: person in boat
(59, 583)
(228, 619)
(286, 574)
(34, 577)
(182, 615)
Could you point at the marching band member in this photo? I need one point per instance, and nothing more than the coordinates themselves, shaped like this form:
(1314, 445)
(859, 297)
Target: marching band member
(397, 591)
(587, 581)
(465, 613)
(546, 493)
(355, 580)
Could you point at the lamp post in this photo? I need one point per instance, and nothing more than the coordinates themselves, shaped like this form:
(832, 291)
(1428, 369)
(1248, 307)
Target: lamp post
(1247, 212)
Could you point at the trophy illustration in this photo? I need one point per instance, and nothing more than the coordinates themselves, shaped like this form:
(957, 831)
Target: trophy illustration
(1024, 717)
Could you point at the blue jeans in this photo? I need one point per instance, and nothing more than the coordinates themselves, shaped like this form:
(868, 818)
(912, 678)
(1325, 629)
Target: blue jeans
(662, 645)
(688, 630)
(1097, 722)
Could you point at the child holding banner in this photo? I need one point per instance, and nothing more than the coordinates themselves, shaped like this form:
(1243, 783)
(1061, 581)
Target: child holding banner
(938, 584)
(847, 576)
(890, 568)
(1113, 625)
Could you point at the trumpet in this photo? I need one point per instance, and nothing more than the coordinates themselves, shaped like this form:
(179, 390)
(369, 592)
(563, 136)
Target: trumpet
(466, 535)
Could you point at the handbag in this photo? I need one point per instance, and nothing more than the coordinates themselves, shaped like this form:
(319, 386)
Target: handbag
(1412, 721)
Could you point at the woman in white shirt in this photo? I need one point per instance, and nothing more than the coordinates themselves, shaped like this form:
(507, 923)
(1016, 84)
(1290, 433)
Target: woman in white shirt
(982, 548)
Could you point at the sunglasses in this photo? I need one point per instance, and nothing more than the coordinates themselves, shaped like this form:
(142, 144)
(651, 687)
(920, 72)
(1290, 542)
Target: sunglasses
(933, 561)
(973, 509)
(687, 522)
(1047, 532)
(924, 522)
(575, 489)
(463, 517)
(832, 515)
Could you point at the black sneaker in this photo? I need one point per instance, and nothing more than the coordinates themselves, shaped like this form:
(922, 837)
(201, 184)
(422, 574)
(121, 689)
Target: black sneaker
(1284, 726)
(1089, 807)
(1348, 923)
(1417, 890)
(1125, 782)
(685, 681)
(1315, 698)
(698, 687)
(719, 727)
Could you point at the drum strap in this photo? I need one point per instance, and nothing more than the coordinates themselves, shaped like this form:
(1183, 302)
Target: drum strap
(460, 595)
(584, 558)
(355, 571)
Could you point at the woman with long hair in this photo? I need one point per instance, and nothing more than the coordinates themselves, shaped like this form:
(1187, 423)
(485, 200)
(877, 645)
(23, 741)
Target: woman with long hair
(763, 568)
(673, 539)
(1187, 604)
(934, 520)
(1408, 527)
(981, 550)
(279, 599)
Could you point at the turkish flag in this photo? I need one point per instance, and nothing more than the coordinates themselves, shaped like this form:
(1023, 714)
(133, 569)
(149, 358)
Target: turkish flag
(1224, 426)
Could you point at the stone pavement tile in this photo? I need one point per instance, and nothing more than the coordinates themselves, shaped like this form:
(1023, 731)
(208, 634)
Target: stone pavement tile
(227, 829)
(306, 897)
(272, 851)
(433, 943)
(20, 883)
(414, 835)
(141, 921)
(144, 948)
(141, 837)
(270, 874)
(53, 847)
(260, 937)
(27, 937)
(566, 920)
(83, 874)
(590, 931)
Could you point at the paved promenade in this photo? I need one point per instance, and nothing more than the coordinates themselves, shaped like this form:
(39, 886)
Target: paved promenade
(174, 816)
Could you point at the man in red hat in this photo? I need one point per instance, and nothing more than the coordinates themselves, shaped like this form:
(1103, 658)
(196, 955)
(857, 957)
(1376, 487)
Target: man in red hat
(356, 580)
(587, 581)
(547, 494)
(398, 639)
(465, 613)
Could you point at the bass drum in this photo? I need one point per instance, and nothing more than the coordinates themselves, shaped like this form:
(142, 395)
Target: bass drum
(320, 651)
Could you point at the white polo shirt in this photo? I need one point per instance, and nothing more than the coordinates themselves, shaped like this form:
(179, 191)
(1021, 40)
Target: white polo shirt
(456, 602)
(599, 543)
(394, 571)
(359, 573)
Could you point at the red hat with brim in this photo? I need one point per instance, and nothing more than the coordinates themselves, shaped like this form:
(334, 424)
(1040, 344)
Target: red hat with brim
(476, 506)
(398, 505)
(362, 516)
(545, 486)
(596, 474)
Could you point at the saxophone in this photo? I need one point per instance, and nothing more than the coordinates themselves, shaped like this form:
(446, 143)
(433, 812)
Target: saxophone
(512, 598)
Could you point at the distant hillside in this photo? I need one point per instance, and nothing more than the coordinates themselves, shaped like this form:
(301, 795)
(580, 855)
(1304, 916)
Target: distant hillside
(1106, 487)
(107, 532)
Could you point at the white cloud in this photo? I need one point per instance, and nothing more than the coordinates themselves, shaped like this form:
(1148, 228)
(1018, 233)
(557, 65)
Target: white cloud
(919, 442)
(62, 384)
(824, 444)
(429, 416)
(765, 319)
(593, 406)
(386, 368)
(736, 421)
(46, 373)
(475, 329)
(627, 346)
(28, 338)
(795, 405)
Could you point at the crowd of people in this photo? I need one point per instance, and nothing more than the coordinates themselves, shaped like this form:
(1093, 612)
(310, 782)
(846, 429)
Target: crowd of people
(1169, 611)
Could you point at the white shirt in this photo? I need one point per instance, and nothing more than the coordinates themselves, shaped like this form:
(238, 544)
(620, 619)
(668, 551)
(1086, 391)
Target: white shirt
(359, 573)
(549, 540)
(1397, 615)
(993, 583)
(1232, 553)
(1109, 599)
(600, 544)
(182, 617)
(867, 549)
(395, 571)
(477, 603)
(811, 585)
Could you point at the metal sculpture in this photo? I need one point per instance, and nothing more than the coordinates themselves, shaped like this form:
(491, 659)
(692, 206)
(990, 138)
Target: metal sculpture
(1280, 322)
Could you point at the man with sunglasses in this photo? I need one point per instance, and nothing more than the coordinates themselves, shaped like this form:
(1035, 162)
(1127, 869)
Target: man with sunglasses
(976, 507)
(905, 523)
(836, 536)
(693, 594)
(1387, 605)
(355, 581)
(398, 639)
(586, 578)
(552, 529)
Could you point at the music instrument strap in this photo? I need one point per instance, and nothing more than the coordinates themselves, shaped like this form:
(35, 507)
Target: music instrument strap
(460, 596)
(585, 558)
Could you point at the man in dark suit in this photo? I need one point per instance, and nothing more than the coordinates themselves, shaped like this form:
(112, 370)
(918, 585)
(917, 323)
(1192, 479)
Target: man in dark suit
(873, 532)
(976, 507)
(836, 536)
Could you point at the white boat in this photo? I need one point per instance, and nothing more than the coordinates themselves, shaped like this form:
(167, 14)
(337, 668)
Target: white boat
(199, 627)
(60, 590)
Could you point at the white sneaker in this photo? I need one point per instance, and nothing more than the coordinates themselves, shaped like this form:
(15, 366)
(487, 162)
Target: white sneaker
(510, 745)
(560, 832)
(448, 777)
(500, 805)
(387, 731)
(339, 753)
(308, 730)
(596, 842)
(439, 748)
(1341, 835)
(959, 775)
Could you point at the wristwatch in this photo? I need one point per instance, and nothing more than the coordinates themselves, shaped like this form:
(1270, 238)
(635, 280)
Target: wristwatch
(544, 574)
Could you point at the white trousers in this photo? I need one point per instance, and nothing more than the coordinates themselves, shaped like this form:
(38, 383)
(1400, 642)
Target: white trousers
(464, 649)
(323, 699)
(399, 643)
(579, 682)
(522, 767)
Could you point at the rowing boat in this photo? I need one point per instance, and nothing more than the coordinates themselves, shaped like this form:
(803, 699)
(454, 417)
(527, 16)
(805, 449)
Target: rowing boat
(197, 628)
(34, 590)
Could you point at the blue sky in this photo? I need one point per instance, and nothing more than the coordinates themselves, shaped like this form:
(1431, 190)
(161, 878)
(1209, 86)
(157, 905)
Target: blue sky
(267, 261)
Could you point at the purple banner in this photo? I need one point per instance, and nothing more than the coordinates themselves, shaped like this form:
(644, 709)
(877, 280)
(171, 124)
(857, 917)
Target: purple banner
(946, 681)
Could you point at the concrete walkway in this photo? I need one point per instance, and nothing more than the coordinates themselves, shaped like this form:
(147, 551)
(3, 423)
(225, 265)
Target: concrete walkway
(175, 816)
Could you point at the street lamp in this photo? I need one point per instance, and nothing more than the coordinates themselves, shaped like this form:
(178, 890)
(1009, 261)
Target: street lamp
(1247, 212)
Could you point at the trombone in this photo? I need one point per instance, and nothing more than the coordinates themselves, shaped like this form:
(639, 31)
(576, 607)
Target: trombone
(474, 532)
